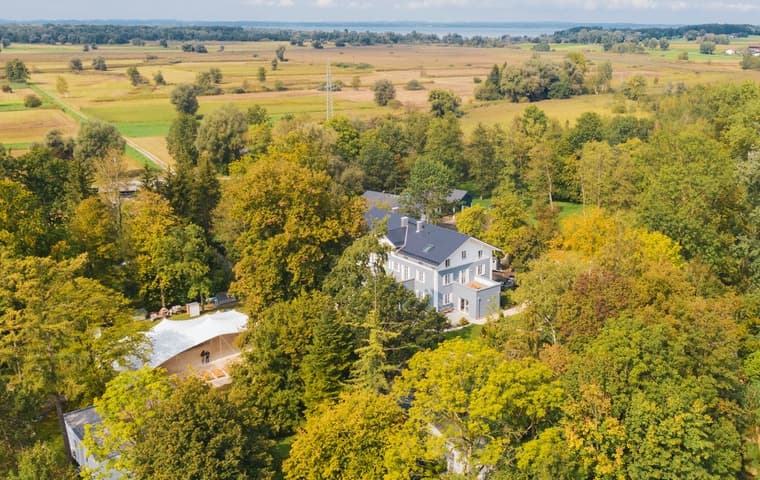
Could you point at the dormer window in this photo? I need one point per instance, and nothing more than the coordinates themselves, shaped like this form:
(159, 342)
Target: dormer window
(464, 254)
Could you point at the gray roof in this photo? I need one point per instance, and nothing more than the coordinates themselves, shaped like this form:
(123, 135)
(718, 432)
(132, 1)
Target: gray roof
(432, 244)
(381, 199)
(456, 195)
(78, 419)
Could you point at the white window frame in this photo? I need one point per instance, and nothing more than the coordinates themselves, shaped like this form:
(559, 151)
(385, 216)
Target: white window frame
(447, 298)
(481, 269)
(447, 263)
(464, 254)
(448, 278)
(480, 253)
(420, 276)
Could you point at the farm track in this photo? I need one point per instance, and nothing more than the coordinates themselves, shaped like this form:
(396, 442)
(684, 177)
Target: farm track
(80, 117)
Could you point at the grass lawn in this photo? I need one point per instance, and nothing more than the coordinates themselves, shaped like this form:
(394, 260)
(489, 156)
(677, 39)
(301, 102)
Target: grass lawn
(567, 209)
(470, 333)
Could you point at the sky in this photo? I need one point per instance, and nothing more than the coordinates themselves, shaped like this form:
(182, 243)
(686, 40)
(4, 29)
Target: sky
(591, 11)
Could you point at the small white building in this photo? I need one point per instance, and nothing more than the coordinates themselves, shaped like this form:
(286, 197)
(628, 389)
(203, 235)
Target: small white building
(193, 309)
(76, 423)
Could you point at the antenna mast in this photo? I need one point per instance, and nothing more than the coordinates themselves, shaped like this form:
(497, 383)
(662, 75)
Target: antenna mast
(328, 92)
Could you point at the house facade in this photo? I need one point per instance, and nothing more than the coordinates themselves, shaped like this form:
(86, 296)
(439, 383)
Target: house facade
(452, 270)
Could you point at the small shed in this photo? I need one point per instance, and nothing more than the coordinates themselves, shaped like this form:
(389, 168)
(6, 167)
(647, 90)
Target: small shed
(194, 309)
(459, 200)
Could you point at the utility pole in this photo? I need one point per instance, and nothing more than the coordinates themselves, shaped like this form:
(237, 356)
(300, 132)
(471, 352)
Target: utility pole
(328, 92)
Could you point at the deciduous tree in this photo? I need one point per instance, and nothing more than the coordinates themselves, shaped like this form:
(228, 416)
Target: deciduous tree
(345, 440)
(184, 99)
(429, 186)
(284, 224)
(384, 92)
(221, 136)
(469, 403)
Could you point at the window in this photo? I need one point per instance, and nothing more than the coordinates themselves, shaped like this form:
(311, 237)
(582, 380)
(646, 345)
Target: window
(447, 262)
(407, 275)
(463, 276)
(447, 279)
(480, 253)
(398, 267)
(446, 298)
(481, 269)
(464, 254)
(420, 275)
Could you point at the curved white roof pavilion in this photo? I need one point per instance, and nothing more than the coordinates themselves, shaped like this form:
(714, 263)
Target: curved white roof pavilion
(172, 337)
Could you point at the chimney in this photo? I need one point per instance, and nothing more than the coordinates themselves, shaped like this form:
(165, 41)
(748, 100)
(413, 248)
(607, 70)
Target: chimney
(420, 223)
(404, 222)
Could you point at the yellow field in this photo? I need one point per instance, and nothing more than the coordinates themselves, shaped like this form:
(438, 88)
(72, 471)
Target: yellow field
(144, 113)
(32, 125)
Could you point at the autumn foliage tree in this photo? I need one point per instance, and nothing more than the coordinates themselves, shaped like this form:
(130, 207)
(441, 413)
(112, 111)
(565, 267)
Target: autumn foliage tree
(284, 225)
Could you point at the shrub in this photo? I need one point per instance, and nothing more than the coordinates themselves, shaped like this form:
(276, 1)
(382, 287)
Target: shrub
(541, 47)
(707, 48)
(683, 56)
(32, 101)
(75, 65)
(99, 63)
(7, 89)
(279, 85)
(413, 84)
(618, 108)
(336, 86)
(635, 88)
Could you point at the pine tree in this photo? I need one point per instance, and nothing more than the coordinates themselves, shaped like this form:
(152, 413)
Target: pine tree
(205, 193)
(370, 369)
(326, 366)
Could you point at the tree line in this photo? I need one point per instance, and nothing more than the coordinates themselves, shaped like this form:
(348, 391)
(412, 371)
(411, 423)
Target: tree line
(135, 34)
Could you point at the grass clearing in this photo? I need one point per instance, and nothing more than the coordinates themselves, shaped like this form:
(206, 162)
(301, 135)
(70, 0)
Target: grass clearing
(568, 209)
(470, 333)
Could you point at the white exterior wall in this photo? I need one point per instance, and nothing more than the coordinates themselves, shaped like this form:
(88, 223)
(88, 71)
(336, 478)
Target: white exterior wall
(405, 270)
